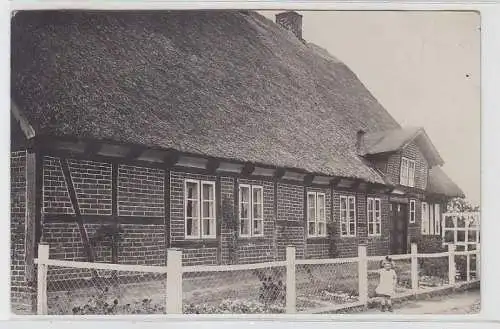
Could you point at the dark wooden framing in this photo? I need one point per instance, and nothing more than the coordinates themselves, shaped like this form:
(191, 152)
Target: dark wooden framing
(78, 215)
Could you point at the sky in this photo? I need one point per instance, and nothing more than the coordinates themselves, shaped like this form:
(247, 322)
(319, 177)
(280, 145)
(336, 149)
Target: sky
(423, 67)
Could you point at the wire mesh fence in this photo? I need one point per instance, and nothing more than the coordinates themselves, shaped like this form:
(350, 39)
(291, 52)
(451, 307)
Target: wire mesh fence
(322, 284)
(293, 285)
(229, 290)
(104, 292)
(433, 272)
(402, 267)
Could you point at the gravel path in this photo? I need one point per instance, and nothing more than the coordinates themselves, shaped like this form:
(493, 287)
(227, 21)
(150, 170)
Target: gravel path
(461, 303)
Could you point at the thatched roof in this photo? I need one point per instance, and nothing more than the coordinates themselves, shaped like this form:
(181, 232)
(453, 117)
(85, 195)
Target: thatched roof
(225, 84)
(396, 139)
(440, 183)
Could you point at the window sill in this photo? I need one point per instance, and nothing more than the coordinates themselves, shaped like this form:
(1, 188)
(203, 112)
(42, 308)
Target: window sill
(196, 243)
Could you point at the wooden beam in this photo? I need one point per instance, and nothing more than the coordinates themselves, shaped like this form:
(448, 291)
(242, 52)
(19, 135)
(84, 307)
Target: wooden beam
(92, 148)
(134, 153)
(280, 172)
(356, 184)
(335, 182)
(247, 169)
(114, 189)
(171, 158)
(308, 179)
(212, 165)
(74, 201)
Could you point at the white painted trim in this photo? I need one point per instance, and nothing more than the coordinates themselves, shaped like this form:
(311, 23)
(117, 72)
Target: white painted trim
(348, 210)
(214, 203)
(376, 219)
(104, 266)
(228, 268)
(249, 210)
(433, 255)
(196, 236)
(253, 219)
(327, 261)
(414, 202)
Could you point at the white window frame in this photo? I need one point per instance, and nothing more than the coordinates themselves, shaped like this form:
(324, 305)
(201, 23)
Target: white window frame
(437, 219)
(316, 220)
(425, 218)
(373, 216)
(251, 216)
(413, 211)
(407, 176)
(347, 219)
(201, 218)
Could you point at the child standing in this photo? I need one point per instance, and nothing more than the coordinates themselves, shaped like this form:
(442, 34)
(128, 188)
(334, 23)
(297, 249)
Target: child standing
(387, 284)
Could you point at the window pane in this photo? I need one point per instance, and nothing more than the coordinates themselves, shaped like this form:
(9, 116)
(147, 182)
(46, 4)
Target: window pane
(343, 207)
(312, 214)
(244, 227)
(377, 216)
(206, 227)
(311, 230)
(208, 209)
(244, 210)
(244, 194)
(377, 228)
(352, 228)
(191, 190)
(370, 229)
(257, 195)
(258, 228)
(370, 204)
(377, 205)
(257, 211)
(343, 228)
(192, 227)
(321, 228)
(192, 208)
(208, 192)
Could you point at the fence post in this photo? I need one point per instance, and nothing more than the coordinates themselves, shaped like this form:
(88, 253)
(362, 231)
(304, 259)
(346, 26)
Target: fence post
(290, 280)
(362, 275)
(174, 281)
(478, 261)
(414, 267)
(451, 264)
(43, 256)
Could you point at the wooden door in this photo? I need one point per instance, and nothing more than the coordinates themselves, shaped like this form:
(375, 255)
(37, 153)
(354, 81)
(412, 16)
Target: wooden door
(399, 228)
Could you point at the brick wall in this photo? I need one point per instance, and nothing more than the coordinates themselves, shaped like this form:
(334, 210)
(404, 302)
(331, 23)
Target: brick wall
(228, 234)
(290, 208)
(19, 294)
(411, 151)
(140, 193)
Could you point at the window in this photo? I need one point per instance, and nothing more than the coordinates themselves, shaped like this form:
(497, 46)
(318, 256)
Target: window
(425, 218)
(431, 219)
(413, 214)
(407, 176)
(347, 216)
(437, 219)
(199, 201)
(251, 210)
(316, 214)
(374, 216)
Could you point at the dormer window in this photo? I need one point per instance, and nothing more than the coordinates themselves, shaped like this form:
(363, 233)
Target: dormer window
(407, 177)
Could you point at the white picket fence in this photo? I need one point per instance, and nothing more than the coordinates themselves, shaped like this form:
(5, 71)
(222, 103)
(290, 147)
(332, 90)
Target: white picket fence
(175, 271)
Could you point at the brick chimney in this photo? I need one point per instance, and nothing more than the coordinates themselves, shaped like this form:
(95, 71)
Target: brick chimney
(360, 143)
(292, 21)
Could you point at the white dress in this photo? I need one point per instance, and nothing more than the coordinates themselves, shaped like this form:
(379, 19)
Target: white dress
(387, 282)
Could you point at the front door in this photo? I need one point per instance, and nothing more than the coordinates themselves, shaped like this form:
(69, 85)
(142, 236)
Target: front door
(399, 228)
